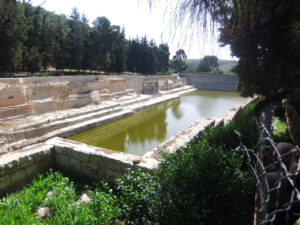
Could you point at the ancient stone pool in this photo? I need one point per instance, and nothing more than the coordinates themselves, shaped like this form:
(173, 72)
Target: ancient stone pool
(147, 128)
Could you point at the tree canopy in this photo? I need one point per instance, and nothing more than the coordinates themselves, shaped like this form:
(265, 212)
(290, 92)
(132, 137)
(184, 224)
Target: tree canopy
(178, 62)
(264, 35)
(208, 64)
(33, 39)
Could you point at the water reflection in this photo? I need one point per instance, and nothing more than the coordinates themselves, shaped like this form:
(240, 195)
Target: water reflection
(149, 127)
(177, 111)
(131, 134)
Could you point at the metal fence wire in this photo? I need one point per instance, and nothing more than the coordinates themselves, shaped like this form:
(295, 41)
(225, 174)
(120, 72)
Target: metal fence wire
(276, 167)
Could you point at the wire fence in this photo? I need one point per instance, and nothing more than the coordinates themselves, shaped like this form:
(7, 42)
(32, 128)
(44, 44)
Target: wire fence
(276, 167)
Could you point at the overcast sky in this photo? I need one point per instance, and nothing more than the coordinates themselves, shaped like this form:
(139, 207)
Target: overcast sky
(138, 20)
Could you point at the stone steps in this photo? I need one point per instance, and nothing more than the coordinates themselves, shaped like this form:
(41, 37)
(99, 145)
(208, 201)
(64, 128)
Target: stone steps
(67, 131)
(15, 111)
(179, 90)
(69, 122)
(67, 114)
(55, 125)
(135, 101)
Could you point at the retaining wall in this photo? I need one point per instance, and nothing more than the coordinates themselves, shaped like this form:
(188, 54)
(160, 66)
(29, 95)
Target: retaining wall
(211, 82)
(18, 168)
(38, 95)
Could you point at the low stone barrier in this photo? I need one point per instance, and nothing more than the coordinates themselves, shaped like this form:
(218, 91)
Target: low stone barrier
(18, 168)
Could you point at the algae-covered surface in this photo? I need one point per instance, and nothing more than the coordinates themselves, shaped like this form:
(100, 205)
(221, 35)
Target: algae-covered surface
(149, 127)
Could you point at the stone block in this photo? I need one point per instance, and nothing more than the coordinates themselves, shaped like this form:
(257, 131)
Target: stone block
(63, 150)
(74, 164)
(2, 169)
(98, 160)
(12, 166)
(13, 111)
(11, 94)
(92, 166)
(62, 160)
(113, 165)
(44, 107)
(46, 164)
(33, 169)
(81, 155)
(26, 161)
(18, 175)
(43, 155)
(4, 181)
(90, 170)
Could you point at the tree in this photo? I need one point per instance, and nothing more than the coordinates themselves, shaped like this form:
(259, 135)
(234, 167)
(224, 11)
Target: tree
(101, 44)
(119, 54)
(75, 41)
(264, 35)
(178, 62)
(61, 35)
(208, 64)
(12, 35)
(162, 56)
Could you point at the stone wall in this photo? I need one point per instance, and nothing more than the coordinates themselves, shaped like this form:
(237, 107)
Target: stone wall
(153, 84)
(18, 168)
(38, 95)
(211, 82)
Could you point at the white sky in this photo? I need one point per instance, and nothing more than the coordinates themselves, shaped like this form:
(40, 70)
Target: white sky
(138, 20)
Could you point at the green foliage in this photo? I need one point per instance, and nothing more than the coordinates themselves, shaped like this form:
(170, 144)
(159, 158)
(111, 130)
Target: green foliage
(280, 131)
(21, 207)
(138, 198)
(105, 205)
(178, 62)
(33, 39)
(224, 135)
(146, 58)
(208, 64)
(204, 184)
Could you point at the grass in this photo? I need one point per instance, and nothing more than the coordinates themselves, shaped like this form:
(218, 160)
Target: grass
(21, 207)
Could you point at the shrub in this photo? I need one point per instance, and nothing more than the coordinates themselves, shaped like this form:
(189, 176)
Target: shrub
(138, 198)
(224, 135)
(202, 184)
(104, 205)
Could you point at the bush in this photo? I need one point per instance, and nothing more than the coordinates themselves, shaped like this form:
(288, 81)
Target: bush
(105, 205)
(224, 135)
(138, 198)
(205, 185)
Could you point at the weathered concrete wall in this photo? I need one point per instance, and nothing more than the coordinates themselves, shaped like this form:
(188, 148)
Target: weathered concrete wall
(38, 95)
(211, 82)
(18, 168)
(153, 84)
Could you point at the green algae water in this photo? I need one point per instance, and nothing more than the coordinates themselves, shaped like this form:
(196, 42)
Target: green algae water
(148, 128)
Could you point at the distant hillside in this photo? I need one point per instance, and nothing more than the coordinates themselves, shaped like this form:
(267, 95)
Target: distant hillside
(227, 65)
(224, 65)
